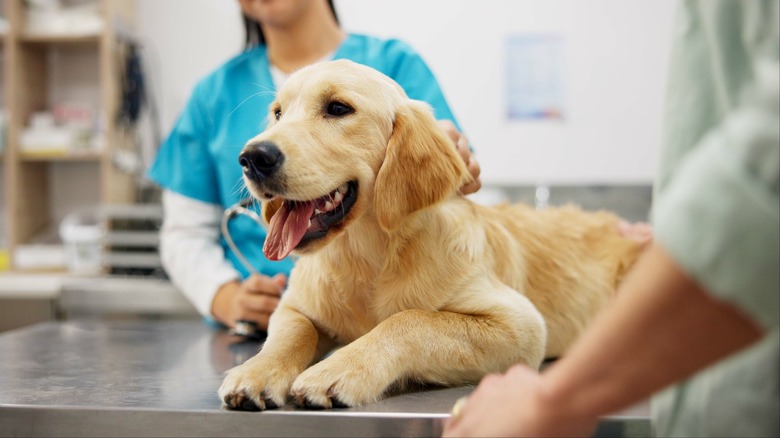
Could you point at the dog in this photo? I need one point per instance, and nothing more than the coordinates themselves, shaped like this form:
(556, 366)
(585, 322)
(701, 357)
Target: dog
(414, 282)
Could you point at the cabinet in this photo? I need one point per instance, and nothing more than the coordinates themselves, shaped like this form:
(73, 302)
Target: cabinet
(45, 69)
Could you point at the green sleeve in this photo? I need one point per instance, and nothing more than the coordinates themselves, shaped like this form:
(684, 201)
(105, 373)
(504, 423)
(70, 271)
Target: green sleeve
(719, 214)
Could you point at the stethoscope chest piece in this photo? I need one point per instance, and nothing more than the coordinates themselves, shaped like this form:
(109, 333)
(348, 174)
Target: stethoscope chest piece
(247, 329)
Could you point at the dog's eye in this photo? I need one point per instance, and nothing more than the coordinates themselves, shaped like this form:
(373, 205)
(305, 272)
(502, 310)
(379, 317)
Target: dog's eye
(338, 109)
(278, 114)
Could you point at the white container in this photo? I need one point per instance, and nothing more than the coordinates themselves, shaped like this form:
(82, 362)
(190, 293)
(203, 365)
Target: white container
(82, 235)
(39, 256)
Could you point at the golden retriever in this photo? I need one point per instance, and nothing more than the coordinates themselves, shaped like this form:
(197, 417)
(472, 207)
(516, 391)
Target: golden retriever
(413, 280)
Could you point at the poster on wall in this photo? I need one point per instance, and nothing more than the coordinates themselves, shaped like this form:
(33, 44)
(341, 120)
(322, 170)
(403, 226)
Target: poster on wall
(535, 77)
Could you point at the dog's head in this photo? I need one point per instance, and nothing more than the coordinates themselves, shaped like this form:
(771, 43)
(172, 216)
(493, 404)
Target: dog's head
(345, 141)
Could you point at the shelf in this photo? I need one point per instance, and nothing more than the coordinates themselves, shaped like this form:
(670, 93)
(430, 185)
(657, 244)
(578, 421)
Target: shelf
(132, 260)
(60, 39)
(132, 239)
(61, 155)
(44, 66)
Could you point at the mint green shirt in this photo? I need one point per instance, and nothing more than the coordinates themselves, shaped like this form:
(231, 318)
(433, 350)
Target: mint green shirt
(717, 204)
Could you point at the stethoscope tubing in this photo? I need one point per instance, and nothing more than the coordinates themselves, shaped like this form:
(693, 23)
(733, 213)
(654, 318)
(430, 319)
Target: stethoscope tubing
(242, 327)
(236, 209)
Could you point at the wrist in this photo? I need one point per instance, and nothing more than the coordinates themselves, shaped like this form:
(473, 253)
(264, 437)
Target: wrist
(221, 305)
(559, 403)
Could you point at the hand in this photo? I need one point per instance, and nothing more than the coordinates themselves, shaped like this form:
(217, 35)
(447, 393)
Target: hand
(514, 404)
(639, 231)
(252, 300)
(462, 144)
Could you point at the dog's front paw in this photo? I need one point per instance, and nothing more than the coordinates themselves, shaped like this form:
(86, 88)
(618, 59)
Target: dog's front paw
(255, 386)
(338, 383)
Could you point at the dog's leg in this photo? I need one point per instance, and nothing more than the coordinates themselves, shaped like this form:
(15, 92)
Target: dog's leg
(438, 347)
(263, 381)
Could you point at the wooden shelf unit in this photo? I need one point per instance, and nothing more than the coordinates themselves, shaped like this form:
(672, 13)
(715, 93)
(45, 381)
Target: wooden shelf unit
(27, 77)
(59, 39)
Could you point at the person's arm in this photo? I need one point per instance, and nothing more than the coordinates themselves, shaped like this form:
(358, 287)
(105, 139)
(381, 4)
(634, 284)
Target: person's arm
(196, 264)
(658, 303)
(706, 289)
(659, 330)
(190, 250)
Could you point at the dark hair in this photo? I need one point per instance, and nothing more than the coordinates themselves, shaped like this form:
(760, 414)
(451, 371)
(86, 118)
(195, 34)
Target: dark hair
(253, 30)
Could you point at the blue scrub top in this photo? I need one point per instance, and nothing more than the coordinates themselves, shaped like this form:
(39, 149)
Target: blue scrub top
(199, 159)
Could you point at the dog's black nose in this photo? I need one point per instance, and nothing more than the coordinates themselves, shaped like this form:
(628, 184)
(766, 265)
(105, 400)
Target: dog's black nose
(261, 160)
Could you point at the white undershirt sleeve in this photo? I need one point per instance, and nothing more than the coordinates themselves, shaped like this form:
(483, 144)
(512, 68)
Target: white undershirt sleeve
(190, 249)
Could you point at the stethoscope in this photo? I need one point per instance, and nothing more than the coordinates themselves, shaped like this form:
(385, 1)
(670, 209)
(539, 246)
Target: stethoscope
(244, 328)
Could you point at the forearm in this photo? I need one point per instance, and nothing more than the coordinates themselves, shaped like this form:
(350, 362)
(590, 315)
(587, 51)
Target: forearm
(190, 250)
(659, 330)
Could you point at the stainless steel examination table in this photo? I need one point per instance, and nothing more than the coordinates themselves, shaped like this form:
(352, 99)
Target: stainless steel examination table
(160, 378)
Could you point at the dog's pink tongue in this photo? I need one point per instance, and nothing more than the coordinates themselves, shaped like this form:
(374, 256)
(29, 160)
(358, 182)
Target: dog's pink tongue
(287, 227)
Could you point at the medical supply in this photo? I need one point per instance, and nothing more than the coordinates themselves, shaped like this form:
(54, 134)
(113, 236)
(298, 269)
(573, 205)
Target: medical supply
(66, 128)
(55, 17)
(240, 208)
(5, 259)
(82, 234)
(39, 257)
(244, 328)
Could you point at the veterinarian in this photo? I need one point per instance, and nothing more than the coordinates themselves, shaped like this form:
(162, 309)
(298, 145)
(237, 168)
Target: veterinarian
(700, 310)
(197, 166)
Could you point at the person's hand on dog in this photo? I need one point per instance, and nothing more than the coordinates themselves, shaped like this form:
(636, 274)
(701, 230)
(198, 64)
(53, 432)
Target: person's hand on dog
(254, 299)
(462, 144)
(639, 231)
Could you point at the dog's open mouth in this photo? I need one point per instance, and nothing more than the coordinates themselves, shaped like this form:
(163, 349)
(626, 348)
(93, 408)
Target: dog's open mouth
(296, 223)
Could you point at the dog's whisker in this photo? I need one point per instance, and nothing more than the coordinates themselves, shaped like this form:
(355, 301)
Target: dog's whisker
(253, 95)
(240, 188)
(264, 87)
(239, 184)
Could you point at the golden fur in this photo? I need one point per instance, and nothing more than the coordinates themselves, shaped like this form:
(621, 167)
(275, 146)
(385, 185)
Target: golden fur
(417, 283)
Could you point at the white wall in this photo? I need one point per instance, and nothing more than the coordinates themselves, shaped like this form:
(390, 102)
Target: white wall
(182, 42)
(615, 53)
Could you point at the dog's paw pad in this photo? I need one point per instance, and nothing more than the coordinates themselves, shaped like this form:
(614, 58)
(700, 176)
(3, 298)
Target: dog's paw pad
(241, 401)
(249, 405)
(335, 401)
(315, 401)
(308, 403)
(270, 404)
(338, 403)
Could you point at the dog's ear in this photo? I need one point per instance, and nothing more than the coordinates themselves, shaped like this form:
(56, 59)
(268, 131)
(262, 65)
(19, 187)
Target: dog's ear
(421, 166)
(270, 208)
